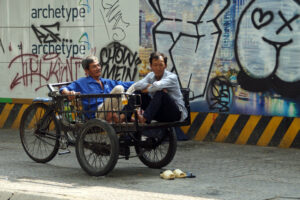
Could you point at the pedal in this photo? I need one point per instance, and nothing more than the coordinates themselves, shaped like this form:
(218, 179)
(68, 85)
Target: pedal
(66, 151)
(70, 138)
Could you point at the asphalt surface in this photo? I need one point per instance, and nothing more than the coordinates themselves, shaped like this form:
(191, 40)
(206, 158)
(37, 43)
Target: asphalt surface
(223, 171)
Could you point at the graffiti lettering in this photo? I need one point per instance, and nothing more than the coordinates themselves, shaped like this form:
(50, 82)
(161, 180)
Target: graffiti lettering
(265, 18)
(32, 71)
(118, 62)
(219, 94)
(286, 23)
(197, 36)
(2, 46)
(66, 46)
(113, 14)
(48, 36)
(10, 47)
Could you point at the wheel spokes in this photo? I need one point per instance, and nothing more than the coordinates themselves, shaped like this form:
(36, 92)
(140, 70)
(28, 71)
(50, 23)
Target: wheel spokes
(39, 143)
(157, 153)
(97, 148)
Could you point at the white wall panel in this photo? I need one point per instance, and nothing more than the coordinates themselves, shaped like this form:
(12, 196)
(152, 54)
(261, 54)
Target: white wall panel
(69, 30)
(14, 13)
(11, 41)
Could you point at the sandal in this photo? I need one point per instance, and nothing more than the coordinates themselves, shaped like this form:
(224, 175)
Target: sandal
(168, 175)
(190, 175)
(179, 174)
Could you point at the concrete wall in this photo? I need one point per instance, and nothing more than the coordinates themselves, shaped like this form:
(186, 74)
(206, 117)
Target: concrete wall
(43, 42)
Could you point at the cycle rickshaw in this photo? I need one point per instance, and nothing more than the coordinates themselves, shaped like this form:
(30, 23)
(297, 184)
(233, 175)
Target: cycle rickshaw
(49, 126)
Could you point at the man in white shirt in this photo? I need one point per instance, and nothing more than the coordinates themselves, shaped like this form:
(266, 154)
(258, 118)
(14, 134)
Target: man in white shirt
(161, 96)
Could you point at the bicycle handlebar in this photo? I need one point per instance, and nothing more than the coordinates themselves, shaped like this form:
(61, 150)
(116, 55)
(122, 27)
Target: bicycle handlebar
(52, 85)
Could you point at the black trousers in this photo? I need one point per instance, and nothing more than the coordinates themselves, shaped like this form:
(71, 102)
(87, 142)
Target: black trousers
(161, 107)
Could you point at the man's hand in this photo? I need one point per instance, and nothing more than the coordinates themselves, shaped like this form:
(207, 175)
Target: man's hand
(146, 89)
(71, 94)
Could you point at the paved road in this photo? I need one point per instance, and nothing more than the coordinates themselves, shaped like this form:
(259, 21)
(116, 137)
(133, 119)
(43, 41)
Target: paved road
(224, 171)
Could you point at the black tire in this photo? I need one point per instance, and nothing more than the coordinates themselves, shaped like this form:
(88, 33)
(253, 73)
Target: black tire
(97, 148)
(40, 141)
(157, 150)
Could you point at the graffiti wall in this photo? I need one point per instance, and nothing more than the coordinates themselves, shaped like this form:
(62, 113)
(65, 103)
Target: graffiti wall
(44, 41)
(237, 56)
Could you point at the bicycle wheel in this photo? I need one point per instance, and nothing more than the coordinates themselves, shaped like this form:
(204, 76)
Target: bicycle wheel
(97, 148)
(157, 150)
(39, 133)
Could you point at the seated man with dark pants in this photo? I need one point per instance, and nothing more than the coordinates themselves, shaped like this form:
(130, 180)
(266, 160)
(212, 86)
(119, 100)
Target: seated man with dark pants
(160, 92)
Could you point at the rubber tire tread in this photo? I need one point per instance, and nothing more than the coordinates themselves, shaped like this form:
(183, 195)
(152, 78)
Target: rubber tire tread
(114, 147)
(171, 135)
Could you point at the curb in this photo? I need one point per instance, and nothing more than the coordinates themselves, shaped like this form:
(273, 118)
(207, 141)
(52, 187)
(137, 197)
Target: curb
(25, 196)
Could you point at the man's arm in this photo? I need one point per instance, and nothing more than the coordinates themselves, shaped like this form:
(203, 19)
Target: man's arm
(69, 90)
(144, 83)
(146, 89)
(163, 84)
(65, 91)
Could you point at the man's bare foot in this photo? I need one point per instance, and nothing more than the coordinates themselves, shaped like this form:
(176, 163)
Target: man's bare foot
(141, 118)
(119, 118)
(109, 117)
(122, 118)
(116, 118)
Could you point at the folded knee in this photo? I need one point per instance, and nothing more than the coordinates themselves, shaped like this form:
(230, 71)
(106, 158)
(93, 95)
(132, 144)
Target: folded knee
(118, 89)
(160, 93)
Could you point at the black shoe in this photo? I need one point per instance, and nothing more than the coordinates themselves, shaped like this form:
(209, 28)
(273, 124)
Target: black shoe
(124, 151)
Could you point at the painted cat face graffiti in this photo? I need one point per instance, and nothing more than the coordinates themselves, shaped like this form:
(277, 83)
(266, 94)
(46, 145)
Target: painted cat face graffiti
(267, 43)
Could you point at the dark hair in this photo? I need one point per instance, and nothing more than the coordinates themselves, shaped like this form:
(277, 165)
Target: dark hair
(88, 60)
(155, 55)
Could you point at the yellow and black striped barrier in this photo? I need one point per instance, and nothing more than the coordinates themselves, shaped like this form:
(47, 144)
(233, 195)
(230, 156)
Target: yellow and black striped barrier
(215, 127)
(244, 129)
(11, 113)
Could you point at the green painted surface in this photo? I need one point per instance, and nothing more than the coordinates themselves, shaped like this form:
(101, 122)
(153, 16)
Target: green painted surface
(5, 100)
